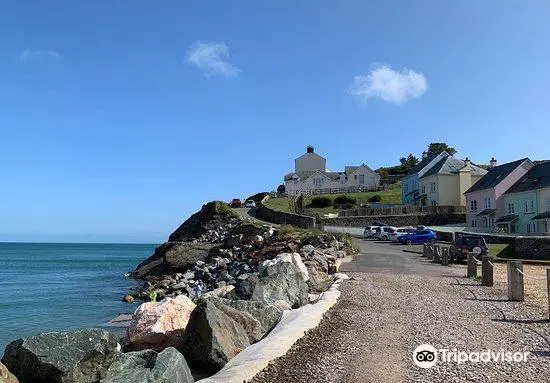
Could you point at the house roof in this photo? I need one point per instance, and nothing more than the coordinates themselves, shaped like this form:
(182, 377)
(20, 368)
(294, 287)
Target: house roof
(422, 164)
(451, 165)
(544, 215)
(495, 176)
(508, 218)
(538, 177)
(486, 212)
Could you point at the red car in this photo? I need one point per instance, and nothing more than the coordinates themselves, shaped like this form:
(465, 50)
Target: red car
(235, 202)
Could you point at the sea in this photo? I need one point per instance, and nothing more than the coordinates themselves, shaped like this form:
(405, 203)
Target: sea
(64, 286)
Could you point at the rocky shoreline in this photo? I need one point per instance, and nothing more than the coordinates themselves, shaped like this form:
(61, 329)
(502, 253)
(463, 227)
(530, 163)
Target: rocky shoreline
(220, 283)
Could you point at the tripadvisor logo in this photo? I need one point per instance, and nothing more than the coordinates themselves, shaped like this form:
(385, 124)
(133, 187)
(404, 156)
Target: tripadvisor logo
(426, 356)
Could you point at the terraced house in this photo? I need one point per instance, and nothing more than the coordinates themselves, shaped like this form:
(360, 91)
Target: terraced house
(410, 184)
(446, 181)
(527, 202)
(485, 199)
(311, 176)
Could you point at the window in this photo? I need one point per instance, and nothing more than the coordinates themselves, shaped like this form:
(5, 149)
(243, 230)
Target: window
(487, 202)
(361, 179)
(529, 227)
(318, 182)
(486, 221)
(548, 204)
(406, 187)
(545, 226)
(432, 187)
(423, 189)
(474, 223)
(511, 208)
(530, 206)
(434, 203)
(473, 205)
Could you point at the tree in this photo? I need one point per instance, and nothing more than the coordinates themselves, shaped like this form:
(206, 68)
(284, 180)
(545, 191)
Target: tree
(438, 147)
(407, 163)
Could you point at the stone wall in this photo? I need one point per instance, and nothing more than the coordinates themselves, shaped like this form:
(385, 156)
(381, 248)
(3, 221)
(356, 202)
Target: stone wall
(270, 215)
(533, 247)
(396, 220)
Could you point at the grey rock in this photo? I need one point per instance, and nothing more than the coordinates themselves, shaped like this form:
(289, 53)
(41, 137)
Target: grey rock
(246, 288)
(308, 249)
(148, 366)
(6, 376)
(283, 282)
(251, 325)
(234, 240)
(65, 357)
(212, 338)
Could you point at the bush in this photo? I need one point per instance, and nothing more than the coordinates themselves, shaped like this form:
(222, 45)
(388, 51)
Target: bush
(320, 202)
(344, 200)
(375, 198)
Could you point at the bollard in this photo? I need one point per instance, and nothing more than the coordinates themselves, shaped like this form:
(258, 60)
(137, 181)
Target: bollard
(425, 251)
(472, 266)
(430, 252)
(515, 281)
(437, 254)
(445, 257)
(548, 286)
(486, 270)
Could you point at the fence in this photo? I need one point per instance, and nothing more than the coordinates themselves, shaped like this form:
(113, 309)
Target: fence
(401, 210)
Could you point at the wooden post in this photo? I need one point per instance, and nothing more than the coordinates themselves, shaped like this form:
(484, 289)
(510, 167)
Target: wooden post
(445, 256)
(437, 254)
(487, 270)
(515, 281)
(472, 266)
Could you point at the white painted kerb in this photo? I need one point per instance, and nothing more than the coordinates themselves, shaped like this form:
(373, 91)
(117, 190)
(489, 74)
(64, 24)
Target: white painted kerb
(293, 326)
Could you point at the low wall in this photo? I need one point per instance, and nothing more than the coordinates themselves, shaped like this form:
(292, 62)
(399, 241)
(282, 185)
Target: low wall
(533, 247)
(270, 215)
(395, 220)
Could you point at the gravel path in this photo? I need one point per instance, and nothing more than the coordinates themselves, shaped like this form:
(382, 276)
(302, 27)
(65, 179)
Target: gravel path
(382, 316)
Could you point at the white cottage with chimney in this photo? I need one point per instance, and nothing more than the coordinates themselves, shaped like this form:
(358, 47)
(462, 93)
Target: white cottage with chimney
(311, 176)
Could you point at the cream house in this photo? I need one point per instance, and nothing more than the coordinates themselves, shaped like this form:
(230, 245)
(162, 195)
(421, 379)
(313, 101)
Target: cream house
(310, 176)
(445, 183)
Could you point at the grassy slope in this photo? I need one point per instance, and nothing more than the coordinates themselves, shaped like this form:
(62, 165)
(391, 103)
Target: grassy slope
(392, 196)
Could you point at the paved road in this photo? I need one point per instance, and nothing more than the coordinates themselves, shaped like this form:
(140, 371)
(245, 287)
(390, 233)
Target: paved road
(388, 258)
(251, 214)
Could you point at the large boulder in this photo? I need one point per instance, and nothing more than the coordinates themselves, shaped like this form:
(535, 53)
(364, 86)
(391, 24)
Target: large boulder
(173, 257)
(212, 338)
(272, 266)
(6, 376)
(66, 357)
(251, 325)
(281, 279)
(268, 315)
(212, 216)
(158, 325)
(147, 366)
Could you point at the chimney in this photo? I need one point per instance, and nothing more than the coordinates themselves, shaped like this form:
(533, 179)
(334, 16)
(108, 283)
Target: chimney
(492, 163)
(467, 162)
(424, 154)
(310, 149)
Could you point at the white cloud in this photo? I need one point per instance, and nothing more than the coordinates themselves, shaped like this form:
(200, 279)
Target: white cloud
(389, 85)
(211, 59)
(29, 55)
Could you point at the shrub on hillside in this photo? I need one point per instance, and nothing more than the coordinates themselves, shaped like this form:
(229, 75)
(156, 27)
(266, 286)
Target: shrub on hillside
(344, 200)
(320, 202)
(375, 198)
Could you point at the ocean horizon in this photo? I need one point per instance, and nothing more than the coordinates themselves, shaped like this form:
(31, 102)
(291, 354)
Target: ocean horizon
(64, 286)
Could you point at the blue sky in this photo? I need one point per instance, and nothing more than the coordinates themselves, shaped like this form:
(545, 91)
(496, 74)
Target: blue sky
(119, 119)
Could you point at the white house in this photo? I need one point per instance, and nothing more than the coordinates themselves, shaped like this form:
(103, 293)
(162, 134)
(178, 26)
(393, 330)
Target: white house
(311, 176)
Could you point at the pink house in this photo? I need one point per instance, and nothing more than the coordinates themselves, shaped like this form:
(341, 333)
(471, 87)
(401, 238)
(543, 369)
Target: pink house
(484, 200)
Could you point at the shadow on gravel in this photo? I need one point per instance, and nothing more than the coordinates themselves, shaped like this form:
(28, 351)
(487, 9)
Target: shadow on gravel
(467, 284)
(524, 321)
(545, 354)
(488, 299)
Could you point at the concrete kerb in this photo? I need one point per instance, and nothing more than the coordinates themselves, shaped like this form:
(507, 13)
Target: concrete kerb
(293, 325)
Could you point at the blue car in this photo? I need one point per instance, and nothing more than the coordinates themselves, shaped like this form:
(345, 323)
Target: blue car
(419, 236)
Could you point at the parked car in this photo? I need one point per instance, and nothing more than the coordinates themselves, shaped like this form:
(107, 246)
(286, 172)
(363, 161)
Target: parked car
(383, 233)
(249, 203)
(419, 236)
(465, 243)
(369, 231)
(399, 232)
(235, 202)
